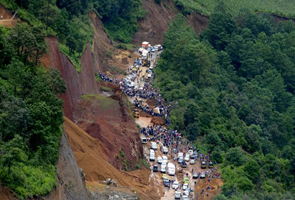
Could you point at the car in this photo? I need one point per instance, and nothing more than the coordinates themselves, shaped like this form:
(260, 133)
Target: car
(186, 192)
(180, 160)
(185, 197)
(154, 145)
(143, 140)
(185, 185)
(177, 195)
(195, 175)
(183, 165)
(165, 150)
(163, 168)
(175, 185)
(159, 160)
(192, 162)
(165, 159)
(180, 155)
(166, 182)
(193, 156)
(155, 168)
(203, 175)
(186, 158)
(190, 152)
(153, 49)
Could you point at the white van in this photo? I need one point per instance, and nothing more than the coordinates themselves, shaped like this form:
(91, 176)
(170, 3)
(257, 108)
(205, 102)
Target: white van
(163, 167)
(152, 155)
(177, 194)
(171, 169)
(180, 155)
(186, 158)
(164, 159)
(154, 145)
(165, 150)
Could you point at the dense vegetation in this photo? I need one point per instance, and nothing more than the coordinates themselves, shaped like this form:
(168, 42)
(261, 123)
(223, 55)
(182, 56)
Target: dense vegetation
(206, 7)
(30, 113)
(235, 93)
(70, 22)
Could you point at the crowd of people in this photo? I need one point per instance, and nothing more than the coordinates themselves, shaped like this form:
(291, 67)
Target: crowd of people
(142, 91)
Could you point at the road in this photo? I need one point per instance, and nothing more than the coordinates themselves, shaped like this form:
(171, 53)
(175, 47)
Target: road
(156, 177)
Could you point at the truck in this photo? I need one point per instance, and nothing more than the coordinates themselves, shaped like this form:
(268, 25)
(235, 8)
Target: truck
(203, 165)
(152, 155)
(145, 44)
(171, 169)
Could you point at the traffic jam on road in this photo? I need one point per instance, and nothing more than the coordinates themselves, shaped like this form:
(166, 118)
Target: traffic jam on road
(172, 158)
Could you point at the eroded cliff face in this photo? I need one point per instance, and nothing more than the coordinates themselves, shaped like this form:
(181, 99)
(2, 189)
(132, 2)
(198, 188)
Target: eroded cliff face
(71, 184)
(157, 21)
(101, 46)
(77, 84)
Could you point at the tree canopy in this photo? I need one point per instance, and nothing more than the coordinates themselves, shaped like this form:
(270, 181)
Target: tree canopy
(237, 97)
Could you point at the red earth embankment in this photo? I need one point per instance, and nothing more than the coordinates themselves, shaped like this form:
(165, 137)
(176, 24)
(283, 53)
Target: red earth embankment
(158, 18)
(77, 84)
(109, 120)
(6, 193)
(92, 159)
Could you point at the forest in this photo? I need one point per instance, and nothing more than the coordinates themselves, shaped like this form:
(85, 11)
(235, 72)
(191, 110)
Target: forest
(233, 87)
(70, 22)
(30, 113)
(283, 8)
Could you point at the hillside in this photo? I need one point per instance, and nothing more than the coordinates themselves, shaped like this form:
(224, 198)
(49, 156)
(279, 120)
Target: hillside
(222, 90)
(282, 8)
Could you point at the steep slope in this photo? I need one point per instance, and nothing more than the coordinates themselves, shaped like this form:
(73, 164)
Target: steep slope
(93, 161)
(158, 18)
(71, 183)
(102, 45)
(77, 84)
(109, 120)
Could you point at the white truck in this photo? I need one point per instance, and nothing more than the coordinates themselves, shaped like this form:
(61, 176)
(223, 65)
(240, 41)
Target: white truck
(171, 169)
(154, 145)
(152, 155)
(163, 167)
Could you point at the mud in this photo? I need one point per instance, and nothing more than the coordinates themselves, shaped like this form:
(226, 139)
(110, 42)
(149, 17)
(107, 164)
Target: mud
(110, 121)
(92, 159)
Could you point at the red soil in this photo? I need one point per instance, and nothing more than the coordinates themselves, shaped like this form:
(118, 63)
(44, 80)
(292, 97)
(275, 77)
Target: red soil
(92, 159)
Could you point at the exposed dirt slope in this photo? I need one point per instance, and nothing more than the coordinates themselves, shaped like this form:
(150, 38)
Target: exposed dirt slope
(6, 193)
(71, 185)
(5, 18)
(102, 45)
(109, 120)
(156, 21)
(158, 18)
(198, 22)
(77, 84)
(93, 161)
